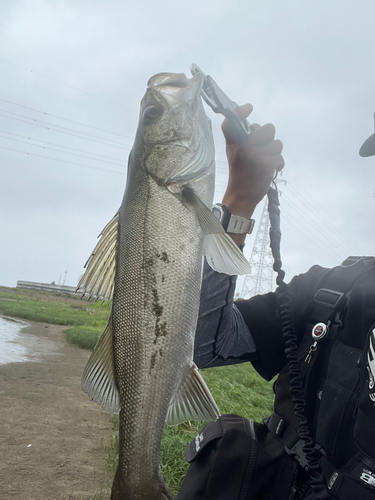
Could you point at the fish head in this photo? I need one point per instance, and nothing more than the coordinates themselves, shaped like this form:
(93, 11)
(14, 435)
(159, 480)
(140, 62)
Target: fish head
(174, 136)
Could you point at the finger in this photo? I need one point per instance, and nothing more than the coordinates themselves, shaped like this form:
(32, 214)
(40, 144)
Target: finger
(262, 135)
(274, 162)
(228, 132)
(281, 164)
(270, 148)
(243, 112)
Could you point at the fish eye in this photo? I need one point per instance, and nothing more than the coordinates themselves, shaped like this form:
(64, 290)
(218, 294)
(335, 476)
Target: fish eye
(152, 113)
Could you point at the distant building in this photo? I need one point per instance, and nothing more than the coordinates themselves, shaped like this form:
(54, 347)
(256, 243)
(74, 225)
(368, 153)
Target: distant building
(46, 287)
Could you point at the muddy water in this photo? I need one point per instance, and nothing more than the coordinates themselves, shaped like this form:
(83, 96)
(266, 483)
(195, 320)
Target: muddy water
(16, 345)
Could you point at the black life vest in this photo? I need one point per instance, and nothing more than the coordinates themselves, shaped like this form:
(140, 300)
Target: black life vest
(339, 387)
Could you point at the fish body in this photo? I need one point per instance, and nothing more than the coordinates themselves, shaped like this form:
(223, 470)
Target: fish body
(153, 262)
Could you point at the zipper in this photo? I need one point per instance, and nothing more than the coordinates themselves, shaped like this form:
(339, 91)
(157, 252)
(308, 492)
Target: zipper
(251, 463)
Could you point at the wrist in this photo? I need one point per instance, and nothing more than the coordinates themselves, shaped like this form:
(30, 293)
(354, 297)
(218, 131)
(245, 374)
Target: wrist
(239, 239)
(237, 206)
(235, 225)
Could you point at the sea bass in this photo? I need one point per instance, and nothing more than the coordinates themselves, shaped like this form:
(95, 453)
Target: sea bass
(149, 263)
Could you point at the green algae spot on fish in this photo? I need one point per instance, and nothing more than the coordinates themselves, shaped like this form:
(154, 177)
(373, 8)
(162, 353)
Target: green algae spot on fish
(149, 262)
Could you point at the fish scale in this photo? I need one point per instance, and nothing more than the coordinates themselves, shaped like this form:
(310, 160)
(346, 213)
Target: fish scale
(165, 277)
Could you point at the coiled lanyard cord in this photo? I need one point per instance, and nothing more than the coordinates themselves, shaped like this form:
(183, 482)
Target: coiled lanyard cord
(317, 481)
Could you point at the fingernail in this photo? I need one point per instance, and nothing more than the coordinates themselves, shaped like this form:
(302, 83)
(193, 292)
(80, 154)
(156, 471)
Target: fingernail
(252, 128)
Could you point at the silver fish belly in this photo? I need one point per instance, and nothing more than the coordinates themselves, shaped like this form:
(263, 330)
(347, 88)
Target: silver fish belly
(149, 262)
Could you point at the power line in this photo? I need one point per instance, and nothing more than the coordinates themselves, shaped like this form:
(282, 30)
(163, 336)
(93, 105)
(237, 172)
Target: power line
(64, 128)
(313, 209)
(320, 227)
(59, 151)
(66, 119)
(66, 84)
(307, 235)
(66, 133)
(64, 161)
(61, 146)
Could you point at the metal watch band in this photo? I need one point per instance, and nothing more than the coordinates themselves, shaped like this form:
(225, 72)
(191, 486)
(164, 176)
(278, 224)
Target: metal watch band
(232, 223)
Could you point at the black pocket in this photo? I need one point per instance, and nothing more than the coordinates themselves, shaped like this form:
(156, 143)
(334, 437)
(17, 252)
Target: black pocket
(364, 429)
(237, 459)
(337, 404)
(218, 457)
(277, 475)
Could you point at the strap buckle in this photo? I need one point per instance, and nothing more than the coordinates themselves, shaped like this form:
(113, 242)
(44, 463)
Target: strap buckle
(328, 298)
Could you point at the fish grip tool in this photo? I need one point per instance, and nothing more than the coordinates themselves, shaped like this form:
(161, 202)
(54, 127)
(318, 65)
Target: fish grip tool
(219, 102)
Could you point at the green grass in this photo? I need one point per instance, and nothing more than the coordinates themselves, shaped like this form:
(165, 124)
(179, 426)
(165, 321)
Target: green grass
(54, 309)
(84, 337)
(236, 389)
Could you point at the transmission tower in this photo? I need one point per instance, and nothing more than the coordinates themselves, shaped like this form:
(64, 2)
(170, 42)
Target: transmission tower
(260, 279)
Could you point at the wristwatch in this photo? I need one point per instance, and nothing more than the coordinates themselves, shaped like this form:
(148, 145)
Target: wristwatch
(232, 223)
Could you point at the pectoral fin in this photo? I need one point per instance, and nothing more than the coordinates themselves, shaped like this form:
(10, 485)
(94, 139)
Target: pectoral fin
(222, 254)
(98, 280)
(193, 401)
(98, 380)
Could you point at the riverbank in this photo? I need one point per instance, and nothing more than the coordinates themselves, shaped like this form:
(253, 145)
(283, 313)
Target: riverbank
(55, 441)
(86, 319)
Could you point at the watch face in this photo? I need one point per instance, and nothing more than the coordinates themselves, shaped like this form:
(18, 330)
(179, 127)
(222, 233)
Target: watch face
(217, 212)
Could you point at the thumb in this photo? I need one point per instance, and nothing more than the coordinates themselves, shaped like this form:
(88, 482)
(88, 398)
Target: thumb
(242, 112)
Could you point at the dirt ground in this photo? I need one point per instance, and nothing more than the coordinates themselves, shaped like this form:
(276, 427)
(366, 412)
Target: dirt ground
(42, 405)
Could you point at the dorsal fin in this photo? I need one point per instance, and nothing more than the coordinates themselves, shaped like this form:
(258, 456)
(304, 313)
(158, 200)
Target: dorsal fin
(99, 277)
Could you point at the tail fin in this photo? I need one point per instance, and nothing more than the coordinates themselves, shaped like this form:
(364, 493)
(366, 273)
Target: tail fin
(155, 490)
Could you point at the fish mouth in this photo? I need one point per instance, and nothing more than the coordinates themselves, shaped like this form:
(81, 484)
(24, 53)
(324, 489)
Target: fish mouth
(176, 87)
(179, 80)
(168, 79)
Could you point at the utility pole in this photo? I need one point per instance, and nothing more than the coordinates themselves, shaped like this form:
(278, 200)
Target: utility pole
(260, 279)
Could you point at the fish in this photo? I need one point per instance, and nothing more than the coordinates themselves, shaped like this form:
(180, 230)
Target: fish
(148, 262)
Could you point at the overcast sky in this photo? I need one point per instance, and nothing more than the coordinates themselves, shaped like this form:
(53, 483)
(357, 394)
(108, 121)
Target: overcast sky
(73, 74)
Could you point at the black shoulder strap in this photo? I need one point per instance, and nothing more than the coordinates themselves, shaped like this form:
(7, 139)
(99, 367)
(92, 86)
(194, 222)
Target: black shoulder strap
(338, 287)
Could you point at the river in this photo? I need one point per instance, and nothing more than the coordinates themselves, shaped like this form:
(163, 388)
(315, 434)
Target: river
(17, 346)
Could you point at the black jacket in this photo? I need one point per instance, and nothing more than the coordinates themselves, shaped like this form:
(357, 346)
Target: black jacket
(333, 385)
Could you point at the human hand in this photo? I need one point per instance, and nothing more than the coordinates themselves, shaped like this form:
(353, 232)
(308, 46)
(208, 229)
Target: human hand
(252, 165)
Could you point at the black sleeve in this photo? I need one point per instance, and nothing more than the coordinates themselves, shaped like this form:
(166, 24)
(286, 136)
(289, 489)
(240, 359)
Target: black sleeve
(222, 337)
(249, 330)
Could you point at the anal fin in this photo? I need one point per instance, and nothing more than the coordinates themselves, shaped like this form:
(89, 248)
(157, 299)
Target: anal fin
(193, 401)
(98, 380)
